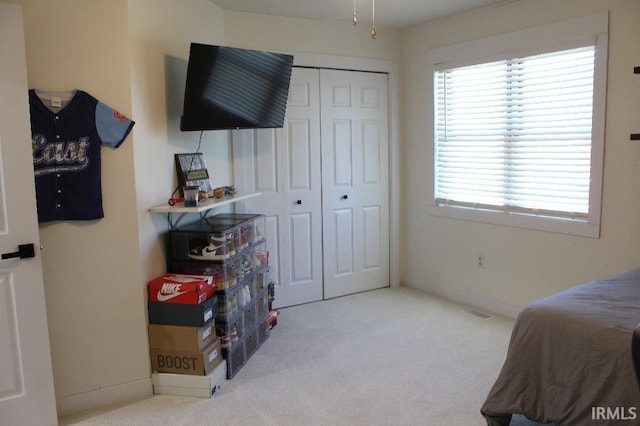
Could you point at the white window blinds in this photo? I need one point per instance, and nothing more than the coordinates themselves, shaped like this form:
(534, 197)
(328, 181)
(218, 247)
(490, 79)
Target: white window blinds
(515, 135)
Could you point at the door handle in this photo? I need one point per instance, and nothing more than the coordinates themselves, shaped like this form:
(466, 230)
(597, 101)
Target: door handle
(25, 251)
(299, 202)
(345, 196)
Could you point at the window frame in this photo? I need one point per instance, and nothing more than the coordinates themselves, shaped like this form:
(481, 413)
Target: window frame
(553, 37)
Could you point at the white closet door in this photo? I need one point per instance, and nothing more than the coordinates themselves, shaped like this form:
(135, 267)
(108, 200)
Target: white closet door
(322, 245)
(355, 181)
(284, 165)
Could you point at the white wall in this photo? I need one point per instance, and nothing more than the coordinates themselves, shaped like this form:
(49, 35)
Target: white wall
(520, 265)
(160, 34)
(91, 269)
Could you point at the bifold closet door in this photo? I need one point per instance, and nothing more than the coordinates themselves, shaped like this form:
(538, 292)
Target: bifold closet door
(324, 184)
(284, 166)
(355, 181)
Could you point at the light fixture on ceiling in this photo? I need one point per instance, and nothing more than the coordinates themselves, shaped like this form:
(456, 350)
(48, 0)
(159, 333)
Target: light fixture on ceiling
(374, 35)
(355, 18)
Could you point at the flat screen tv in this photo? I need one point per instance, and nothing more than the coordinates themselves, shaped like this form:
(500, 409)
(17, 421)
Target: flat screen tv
(233, 88)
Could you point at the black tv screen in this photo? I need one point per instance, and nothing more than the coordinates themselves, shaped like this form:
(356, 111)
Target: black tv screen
(233, 88)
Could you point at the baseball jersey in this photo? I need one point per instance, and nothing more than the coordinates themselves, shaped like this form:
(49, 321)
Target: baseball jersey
(67, 133)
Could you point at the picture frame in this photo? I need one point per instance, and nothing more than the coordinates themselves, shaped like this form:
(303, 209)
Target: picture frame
(192, 171)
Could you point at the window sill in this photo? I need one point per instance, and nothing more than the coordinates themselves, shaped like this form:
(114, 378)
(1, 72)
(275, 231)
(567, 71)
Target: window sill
(559, 226)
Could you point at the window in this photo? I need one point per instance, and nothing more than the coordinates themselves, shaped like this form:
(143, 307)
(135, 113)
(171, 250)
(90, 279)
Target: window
(518, 137)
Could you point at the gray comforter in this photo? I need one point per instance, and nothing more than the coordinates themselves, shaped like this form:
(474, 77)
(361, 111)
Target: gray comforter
(569, 360)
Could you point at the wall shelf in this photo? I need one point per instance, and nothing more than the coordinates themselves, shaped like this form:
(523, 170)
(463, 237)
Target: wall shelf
(203, 208)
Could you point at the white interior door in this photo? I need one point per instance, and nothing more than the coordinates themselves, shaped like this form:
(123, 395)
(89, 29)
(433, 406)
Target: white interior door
(284, 165)
(355, 181)
(26, 380)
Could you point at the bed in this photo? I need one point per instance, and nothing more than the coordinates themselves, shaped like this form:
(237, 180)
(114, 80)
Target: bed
(571, 353)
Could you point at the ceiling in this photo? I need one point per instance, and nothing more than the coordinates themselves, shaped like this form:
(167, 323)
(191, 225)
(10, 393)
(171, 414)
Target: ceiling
(392, 13)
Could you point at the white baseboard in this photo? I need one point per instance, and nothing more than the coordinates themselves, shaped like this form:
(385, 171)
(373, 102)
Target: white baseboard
(104, 396)
(466, 297)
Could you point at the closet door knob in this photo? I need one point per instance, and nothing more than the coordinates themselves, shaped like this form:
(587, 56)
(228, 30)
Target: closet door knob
(345, 196)
(299, 202)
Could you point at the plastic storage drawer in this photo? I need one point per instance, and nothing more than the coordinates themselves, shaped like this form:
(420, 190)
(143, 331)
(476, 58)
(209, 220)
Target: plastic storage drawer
(251, 259)
(225, 273)
(204, 241)
(256, 337)
(252, 226)
(235, 357)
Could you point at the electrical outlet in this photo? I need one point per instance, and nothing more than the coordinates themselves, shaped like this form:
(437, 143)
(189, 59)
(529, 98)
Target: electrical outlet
(480, 263)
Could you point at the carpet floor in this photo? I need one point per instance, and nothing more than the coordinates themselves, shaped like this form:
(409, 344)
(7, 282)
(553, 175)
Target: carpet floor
(395, 356)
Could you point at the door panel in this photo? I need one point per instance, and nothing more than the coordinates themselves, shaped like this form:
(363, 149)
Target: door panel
(266, 165)
(11, 380)
(341, 153)
(355, 183)
(300, 167)
(342, 250)
(371, 161)
(301, 251)
(26, 379)
(372, 220)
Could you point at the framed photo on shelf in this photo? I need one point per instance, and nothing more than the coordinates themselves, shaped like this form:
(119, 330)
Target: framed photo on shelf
(192, 171)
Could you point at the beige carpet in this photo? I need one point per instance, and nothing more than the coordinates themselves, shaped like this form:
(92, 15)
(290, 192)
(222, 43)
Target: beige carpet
(384, 357)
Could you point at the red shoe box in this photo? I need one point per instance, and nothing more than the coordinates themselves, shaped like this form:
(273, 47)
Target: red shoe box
(179, 288)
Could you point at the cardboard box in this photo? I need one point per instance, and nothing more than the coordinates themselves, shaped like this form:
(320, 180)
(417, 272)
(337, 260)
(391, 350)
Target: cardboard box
(189, 385)
(183, 314)
(192, 339)
(180, 288)
(185, 362)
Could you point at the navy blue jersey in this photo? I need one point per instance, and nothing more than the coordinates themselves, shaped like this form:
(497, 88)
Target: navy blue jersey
(67, 135)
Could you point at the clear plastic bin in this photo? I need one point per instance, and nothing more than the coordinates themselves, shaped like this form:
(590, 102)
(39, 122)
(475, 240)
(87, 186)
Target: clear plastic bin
(203, 241)
(252, 226)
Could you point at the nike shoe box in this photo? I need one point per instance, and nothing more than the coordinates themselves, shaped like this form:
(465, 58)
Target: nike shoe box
(178, 288)
(183, 314)
(192, 339)
(190, 385)
(204, 241)
(199, 363)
